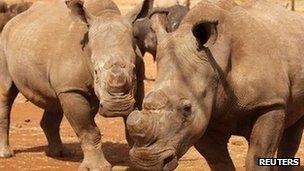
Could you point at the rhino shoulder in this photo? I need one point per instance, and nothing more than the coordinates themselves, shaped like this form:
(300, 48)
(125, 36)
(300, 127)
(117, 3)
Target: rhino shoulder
(71, 74)
(258, 85)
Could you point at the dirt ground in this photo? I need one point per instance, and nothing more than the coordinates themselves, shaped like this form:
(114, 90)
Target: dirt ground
(28, 141)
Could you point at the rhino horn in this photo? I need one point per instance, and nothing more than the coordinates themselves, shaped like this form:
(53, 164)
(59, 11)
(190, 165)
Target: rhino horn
(117, 80)
(139, 126)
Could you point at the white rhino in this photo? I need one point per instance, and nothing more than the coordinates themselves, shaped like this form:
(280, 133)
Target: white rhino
(227, 70)
(59, 54)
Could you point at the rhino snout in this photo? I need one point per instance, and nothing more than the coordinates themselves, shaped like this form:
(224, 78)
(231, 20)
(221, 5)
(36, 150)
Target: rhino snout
(117, 82)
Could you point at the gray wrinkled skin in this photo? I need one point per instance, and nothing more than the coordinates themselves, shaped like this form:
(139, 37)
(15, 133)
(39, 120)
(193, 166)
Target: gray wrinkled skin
(71, 58)
(227, 70)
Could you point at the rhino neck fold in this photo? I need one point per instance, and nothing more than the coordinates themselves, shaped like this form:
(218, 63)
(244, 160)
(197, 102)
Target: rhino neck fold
(222, 82)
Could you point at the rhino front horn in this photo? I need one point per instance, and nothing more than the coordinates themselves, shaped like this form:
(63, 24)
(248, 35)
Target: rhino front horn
(117, 80)
(139, 126)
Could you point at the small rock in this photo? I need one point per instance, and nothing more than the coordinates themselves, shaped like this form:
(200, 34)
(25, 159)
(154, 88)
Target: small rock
(27, 120)
(18, 125)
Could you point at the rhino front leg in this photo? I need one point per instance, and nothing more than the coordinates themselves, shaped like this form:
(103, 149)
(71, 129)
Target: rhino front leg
(213, 146)
(7, 97)
(8, 93)
(79, 113)
(265, 138)
(290, 142)
(50, 124)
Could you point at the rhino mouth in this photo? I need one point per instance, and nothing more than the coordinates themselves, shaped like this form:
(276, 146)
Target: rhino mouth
(116, 106)
(144, 160)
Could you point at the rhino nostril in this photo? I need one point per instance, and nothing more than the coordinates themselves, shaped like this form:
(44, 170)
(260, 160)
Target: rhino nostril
(168, 159)
(170, 162)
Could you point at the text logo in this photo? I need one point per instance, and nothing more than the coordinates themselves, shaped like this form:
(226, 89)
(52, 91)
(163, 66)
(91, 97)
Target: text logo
(278, 162)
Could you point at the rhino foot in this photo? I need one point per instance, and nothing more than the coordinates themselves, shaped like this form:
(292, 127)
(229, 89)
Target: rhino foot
(103, 166)
(6, 152)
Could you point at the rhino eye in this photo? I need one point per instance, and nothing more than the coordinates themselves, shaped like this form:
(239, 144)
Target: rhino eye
(175, 25)
(185, 107)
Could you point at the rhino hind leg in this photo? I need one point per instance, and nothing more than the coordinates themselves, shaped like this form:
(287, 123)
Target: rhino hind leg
(213, 146)
(50, 124)
(80, 115)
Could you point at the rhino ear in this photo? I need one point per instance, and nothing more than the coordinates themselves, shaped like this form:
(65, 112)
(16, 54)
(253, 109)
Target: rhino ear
(140, 11)
(205, 33)
(160, 10)
(77, 9)
(158, 26)
(3, 7)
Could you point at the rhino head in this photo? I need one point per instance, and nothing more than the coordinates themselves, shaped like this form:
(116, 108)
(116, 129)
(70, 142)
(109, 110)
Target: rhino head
(146, 37)
(113, 53)
(177, 111)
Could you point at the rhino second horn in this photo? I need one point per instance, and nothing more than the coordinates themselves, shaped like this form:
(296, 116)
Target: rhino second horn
(117, 80)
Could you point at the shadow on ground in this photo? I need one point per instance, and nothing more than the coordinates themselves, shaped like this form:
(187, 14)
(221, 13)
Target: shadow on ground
(116, 153)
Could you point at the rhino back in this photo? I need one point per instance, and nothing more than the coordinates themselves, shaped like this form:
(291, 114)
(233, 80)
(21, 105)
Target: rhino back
(266, 56)
(44, 53)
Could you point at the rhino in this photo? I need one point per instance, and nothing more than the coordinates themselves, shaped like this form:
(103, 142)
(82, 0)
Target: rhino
(227, 70)
(71, 58)
(145, 36)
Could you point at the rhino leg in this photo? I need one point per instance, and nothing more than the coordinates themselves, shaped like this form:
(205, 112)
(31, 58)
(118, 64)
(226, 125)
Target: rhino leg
(290, 142)
(213, 146)
(50, 123)
(8, 93)
(80, 114)
(265, 138)
(6, 101)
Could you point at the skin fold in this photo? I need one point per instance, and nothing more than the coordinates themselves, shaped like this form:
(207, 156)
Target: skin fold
(71, 58)
(227, 70)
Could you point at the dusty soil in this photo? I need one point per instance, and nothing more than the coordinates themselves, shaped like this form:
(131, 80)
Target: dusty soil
(28, 141)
